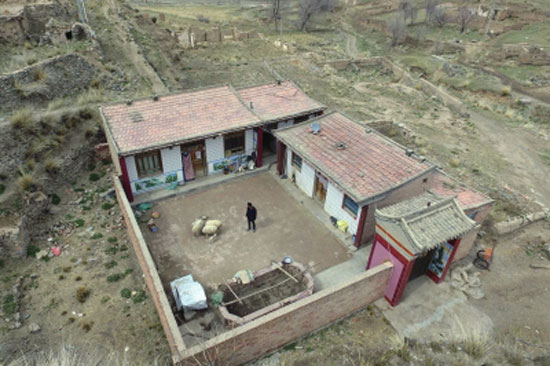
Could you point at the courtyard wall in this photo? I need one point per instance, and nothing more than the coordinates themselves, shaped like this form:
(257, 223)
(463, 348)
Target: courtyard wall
(254, 339)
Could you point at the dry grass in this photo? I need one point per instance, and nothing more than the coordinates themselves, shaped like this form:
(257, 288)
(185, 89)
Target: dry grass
(26, 181)
(476, 346)
(84, 355)
(51, 165)
(39, 74)
(22, 119)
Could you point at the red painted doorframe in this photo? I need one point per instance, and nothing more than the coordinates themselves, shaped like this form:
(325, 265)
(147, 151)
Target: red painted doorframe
(361, 226)
(125, 179)
(259, 146)
(403, 277)
(281, 148)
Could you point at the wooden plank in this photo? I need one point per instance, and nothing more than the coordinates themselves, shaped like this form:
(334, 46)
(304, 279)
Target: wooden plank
(284, 271)
(233, 292)
(256, 293)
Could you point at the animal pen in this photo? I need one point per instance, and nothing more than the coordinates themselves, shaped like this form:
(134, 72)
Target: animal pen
(270, 289)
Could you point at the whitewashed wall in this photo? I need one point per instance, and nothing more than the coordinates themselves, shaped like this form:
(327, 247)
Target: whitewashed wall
(171, 161)
(333, 206)
(214, 151)
(285, 123)
(305, 179)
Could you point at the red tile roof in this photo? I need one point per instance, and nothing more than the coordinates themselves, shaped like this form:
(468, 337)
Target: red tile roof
(369, 165)
(273, 101)
(466, 197)
(176, 118)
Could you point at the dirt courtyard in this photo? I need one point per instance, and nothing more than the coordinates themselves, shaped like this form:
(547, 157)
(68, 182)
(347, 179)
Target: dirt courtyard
(284, 227)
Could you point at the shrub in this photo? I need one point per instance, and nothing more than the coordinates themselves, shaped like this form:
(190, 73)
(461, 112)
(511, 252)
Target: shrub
(112, 239)
(51, 165)
(9, 306)
(32, 250)
(126, 293)
(139, 296)
(104, 299)
(115, 277)
(56, 200)
(97, 236)
(506, 90)
(86, 113)
(39, 74)
(86, 326)
(111, 251)
(91, 167)
(26, 181)
(94, 177)
(201, 18)
(107, 206)
(82, 294)
(22, 119)
(79, 222)
(111, 264)
(31, 164)
(2, 188)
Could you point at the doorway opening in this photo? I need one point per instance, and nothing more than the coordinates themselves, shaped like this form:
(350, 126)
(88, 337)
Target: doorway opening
(321, 185)
(193, 157)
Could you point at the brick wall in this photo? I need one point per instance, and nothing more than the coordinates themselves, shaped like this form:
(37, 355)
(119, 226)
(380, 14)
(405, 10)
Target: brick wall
(171, 161)
(214, 151)
(409, 190)
(150, 274)
(468, 240)
(274, 330)
(305, 177)
(333, 206)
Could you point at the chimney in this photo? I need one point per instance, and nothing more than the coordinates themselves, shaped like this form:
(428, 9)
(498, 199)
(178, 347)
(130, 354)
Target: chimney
(155, 97)
(251, 105)
(278, 82)
(129, 102)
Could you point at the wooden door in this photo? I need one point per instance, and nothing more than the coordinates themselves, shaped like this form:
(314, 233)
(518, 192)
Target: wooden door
(320, 188)
(198, 156)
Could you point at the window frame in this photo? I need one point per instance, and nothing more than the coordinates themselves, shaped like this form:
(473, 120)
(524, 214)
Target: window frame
(297, 161)
(146, 174)
(348, 209)
(234, 135)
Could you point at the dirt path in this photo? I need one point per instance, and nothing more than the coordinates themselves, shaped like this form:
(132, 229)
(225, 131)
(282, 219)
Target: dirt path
(130, 49)
(527, 172)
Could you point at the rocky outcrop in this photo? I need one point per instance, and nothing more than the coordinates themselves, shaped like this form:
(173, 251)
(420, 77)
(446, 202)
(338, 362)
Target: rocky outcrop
(30, 22)
(54, 77)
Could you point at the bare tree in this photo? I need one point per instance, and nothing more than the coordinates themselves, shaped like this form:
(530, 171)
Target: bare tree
(439, 16)
(409, 10)
(397, 27)
(308, 8)
(465, 16)
(276, 13)
(431, 5)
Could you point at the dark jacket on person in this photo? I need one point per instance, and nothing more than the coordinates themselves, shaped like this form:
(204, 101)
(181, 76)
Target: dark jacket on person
(251, 213)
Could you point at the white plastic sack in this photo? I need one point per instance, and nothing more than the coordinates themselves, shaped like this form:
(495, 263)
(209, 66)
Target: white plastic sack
(188, 294)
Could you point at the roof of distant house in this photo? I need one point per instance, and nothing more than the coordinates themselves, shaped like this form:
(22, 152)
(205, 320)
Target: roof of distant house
(428, 220)
(363, 163)
(467, 198)
(279, 100)
(171, 119)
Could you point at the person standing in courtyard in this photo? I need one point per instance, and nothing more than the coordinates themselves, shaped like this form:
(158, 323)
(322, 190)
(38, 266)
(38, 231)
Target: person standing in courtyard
(251, 216)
